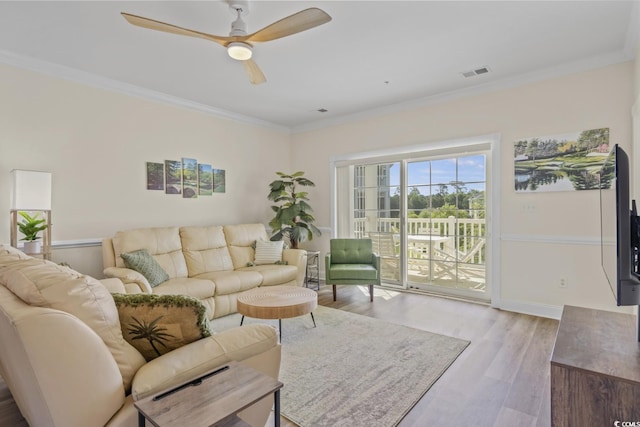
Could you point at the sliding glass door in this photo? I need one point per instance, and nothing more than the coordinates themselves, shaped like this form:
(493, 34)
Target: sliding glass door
(446, 229)
(426, 217)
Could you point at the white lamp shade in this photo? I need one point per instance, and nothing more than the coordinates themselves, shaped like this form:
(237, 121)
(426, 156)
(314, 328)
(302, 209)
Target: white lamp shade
(30, 190)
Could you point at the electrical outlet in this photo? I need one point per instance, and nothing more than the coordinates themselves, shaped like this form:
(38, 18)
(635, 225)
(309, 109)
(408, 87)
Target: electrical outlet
(564, 282)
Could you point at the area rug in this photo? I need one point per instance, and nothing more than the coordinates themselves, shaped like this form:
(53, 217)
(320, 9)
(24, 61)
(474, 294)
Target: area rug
(354, 370)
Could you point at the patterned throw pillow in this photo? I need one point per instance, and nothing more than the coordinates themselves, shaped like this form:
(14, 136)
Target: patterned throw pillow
(157, 324)
(268, 252)
(142, 262)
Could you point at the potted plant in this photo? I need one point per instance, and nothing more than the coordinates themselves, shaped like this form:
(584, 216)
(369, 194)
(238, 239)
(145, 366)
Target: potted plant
(30, 227)
(293, 220)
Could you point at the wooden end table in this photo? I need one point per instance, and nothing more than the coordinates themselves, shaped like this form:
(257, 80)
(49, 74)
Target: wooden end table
(277, 302)
(213, 399)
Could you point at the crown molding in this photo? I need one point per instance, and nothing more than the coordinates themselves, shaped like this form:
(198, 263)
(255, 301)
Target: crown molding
(94, 80)
(507, 83)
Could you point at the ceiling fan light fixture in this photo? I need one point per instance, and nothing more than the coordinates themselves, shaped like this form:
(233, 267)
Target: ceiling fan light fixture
(239, 51)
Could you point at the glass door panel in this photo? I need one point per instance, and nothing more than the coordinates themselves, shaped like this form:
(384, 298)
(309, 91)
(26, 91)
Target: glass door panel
(377, 214)
(446, 224)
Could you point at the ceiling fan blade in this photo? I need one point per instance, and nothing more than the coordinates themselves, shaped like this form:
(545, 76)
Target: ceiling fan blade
(256, 75)
(152, 24)
(292, 24)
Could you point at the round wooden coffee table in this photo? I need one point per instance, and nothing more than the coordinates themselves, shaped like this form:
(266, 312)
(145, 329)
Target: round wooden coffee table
(277, 302)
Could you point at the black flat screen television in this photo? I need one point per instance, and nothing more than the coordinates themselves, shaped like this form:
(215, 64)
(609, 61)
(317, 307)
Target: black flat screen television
(619, 229)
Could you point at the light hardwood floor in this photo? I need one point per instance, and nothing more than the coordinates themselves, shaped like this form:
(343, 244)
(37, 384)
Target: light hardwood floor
(500, 380)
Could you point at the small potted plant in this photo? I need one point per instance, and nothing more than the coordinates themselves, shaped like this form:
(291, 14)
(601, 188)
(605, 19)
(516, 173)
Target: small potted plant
(30, 227)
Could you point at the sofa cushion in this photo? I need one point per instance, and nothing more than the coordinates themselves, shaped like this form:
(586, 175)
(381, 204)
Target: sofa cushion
(351, 251)
(274, 274)
(45, 284)
(240, 239)
(268, 252)
(157, 324)
(231, 282)
(205, 249)
(353, 272)
(142, 262)
(195, 287)
(162, 243)
(239, 344)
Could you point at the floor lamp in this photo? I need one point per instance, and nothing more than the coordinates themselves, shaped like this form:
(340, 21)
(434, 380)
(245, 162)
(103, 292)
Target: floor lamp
(31, 192)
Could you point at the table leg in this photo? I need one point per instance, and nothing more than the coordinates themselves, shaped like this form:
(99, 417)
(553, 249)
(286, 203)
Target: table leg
(280, 328)
(141, 419)
(276, 408)
(314, 320)
(242, 320)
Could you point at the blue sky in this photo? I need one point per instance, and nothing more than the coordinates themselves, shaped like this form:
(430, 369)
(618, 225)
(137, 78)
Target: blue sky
(470, 169)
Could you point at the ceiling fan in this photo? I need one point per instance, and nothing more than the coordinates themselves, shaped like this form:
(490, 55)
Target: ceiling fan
(239, 44)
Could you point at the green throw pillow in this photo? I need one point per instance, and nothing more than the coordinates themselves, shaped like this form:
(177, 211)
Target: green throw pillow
(142, 262)
(157, 324)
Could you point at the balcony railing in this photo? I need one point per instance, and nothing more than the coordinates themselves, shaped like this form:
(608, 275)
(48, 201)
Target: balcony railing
(465, 232)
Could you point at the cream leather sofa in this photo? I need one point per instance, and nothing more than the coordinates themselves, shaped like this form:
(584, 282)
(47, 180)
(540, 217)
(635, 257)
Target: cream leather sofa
(66, 363)
(209, 263)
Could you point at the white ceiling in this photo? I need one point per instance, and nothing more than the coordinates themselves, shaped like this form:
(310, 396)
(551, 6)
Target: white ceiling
(373, 56)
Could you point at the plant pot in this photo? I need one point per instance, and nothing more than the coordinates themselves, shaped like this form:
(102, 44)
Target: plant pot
(32, 247)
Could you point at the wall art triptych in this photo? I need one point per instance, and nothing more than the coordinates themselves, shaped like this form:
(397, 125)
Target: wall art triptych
(186, 177)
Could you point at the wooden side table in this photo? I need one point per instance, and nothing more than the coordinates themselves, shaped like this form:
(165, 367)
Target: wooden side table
(213, 399)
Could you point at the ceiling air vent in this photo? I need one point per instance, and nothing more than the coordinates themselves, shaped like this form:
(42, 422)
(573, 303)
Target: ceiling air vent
(476, 72)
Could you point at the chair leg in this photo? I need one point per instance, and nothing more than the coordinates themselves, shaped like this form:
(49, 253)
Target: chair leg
(371, 292)
(334, 292)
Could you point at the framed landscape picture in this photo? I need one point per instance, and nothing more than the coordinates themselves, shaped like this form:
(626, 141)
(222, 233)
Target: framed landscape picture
(155, 176)
(219, 184)
(173, 175)
(205, 180)
(189, 178)
(561, 162)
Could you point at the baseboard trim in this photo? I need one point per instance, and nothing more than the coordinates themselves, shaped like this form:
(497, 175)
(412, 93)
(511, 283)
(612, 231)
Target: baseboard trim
(534, 309)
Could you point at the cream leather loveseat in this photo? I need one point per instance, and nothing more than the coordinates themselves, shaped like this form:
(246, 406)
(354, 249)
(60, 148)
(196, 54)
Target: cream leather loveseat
(213, 264)
(66, 363)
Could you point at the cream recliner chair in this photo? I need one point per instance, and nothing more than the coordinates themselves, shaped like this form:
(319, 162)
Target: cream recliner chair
(67, 364)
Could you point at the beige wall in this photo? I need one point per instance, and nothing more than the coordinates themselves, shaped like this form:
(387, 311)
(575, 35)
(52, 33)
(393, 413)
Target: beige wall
(560, 237)
(636, 74)
(96, 144)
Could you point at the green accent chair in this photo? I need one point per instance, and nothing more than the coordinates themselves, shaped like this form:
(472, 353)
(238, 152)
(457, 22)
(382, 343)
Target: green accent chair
(352, 262)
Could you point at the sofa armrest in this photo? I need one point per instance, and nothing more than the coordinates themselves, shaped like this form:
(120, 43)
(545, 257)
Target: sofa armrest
(129, 277)
(194, 359)
(114, 285)
(297, 257)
